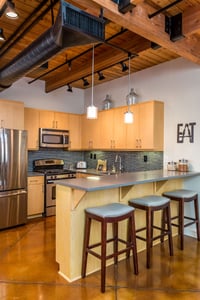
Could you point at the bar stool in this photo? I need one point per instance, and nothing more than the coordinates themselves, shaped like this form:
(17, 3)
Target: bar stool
(183, 196)
(150, 204)
(110, 213)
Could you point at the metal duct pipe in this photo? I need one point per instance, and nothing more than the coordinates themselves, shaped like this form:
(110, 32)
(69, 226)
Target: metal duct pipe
(73, 27)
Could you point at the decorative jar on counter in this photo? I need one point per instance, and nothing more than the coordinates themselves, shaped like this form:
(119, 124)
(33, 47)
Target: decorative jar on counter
(172, 166)
(183, 165)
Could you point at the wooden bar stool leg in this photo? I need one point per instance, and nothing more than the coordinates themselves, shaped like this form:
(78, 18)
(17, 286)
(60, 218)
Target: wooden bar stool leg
(169, 229)
(148, 235)
(163, 222)
(196, 209)
(133, 242)
(181, 223)
(115, 242)
(103, 254)
(85, 245)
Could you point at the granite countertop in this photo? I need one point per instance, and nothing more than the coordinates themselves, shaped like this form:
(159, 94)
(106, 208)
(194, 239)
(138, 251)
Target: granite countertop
(94, 183)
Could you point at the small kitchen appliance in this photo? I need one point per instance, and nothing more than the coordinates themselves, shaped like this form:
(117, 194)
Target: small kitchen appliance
(53, 170)
(81, 165)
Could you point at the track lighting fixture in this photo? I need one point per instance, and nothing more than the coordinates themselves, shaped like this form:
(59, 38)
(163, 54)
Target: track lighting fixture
(69, 65)
(2, 37)
(124, 66)
(69, 88)
(101, 76)
(85, 82)
(10, 10)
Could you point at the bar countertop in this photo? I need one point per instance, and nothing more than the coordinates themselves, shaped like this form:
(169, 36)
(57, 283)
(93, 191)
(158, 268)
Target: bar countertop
(94, 183)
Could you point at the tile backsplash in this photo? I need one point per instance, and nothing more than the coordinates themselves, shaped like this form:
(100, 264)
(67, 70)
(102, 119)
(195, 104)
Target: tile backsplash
(131, 161)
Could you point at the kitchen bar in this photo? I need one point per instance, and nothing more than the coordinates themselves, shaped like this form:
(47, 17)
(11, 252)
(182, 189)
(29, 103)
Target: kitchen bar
(73, 196)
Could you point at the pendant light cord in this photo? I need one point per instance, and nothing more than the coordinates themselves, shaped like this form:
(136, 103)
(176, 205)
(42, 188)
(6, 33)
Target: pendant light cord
(92, 74)
(129, 73)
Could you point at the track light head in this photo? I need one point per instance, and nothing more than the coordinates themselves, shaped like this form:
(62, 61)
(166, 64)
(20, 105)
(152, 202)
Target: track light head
(10, 10)
(2, 37)
(124, 66)
(69, 88)
(101, 76)
(85, 82)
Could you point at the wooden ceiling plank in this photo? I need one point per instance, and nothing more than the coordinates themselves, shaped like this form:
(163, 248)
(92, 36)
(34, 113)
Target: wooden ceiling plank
(191, 20)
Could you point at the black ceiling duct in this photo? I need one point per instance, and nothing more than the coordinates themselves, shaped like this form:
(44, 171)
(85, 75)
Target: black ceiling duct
(73, 27)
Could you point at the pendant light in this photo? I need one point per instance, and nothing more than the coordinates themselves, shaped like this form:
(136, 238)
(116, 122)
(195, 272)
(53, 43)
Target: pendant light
(92, 110)
(128, 115)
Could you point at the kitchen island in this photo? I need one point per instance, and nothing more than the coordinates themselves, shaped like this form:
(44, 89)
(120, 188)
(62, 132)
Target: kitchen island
(74, 195)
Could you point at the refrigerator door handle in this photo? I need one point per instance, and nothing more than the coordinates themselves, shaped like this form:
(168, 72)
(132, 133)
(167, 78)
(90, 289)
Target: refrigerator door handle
(12, 193)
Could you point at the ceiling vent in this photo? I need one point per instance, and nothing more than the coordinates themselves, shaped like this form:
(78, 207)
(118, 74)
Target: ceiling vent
(73, 27)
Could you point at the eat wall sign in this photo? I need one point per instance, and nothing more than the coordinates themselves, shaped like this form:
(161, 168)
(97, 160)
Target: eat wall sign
(185, 131)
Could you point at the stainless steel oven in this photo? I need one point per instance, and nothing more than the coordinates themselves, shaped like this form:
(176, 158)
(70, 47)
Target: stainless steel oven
(53, 170)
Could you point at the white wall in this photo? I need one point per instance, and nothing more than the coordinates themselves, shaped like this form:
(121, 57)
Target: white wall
(33, 95)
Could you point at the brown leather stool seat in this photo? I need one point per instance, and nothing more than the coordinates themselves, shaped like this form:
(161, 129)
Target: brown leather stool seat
(110, 213)
(150, 204)
(183, 196)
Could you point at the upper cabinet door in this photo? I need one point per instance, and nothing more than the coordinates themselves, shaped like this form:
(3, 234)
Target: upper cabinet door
(75, 131)
(31, 124)
(132, 130)
(11, 114)
(55, 120)
(151, 125)
(46, 119)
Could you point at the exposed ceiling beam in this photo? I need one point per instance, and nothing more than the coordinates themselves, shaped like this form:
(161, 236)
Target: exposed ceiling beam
(152, 29)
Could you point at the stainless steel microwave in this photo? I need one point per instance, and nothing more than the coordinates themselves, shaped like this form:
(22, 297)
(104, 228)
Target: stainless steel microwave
(54, 138)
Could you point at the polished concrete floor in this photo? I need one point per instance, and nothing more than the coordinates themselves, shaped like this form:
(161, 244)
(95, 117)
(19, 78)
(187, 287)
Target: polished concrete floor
(28, 270)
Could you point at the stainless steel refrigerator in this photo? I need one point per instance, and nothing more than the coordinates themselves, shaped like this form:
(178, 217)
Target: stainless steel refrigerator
(13, 177)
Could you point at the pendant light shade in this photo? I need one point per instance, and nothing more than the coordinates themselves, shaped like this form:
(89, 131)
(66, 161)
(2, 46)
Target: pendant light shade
(92, 111)
(128, 115)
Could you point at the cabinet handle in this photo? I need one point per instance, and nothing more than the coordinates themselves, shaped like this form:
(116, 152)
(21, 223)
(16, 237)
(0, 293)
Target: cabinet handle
(56, 122)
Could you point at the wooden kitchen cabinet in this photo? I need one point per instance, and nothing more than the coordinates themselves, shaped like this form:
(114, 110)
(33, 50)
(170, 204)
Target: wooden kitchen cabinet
(147, 130)
(31, 124)
(35, 201)
(11, 114)
(90, 133)
(55, 120)
(113, 129)
(75, 131)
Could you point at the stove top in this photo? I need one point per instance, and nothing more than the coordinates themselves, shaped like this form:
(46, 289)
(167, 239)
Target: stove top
(51, 167)
(55, 171)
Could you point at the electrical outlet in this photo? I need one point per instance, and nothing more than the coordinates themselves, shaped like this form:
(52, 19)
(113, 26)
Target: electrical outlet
(145, 158)
(91, 155)
(95, 156)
